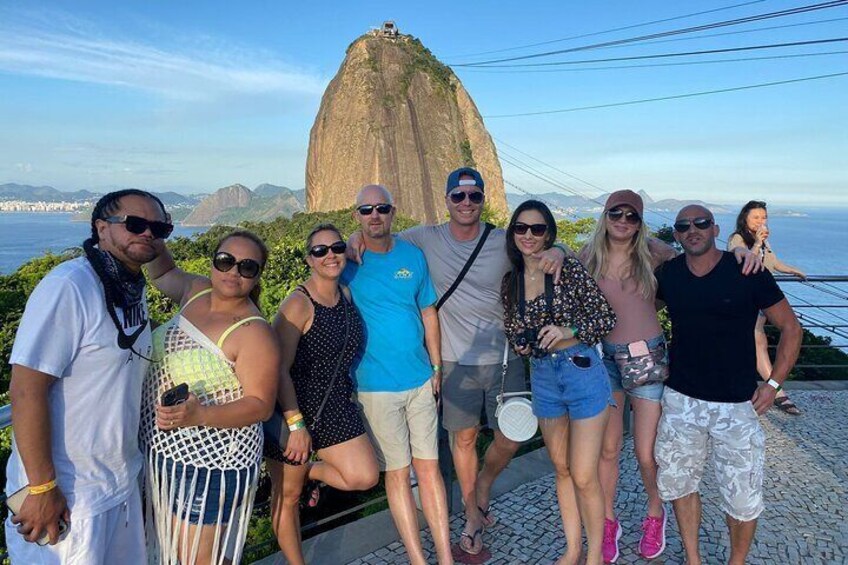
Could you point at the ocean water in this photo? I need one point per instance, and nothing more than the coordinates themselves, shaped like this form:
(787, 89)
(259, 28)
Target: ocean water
(26, 235)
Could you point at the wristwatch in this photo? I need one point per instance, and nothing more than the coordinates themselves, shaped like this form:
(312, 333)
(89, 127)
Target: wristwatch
(774, 384)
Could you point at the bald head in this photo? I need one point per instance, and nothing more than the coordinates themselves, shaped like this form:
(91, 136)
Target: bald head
(374, 194)
(694, 211)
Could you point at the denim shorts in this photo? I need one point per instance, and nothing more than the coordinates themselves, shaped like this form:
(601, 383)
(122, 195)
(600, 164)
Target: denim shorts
(212, 496)
(562, 388)
(652, 391)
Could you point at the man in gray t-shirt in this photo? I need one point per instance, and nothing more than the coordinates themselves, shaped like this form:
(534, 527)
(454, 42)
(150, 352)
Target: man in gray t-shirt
(473, 340)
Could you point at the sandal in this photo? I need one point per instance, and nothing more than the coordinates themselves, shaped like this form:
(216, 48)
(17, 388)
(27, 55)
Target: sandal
(785, 404)
(469, 547)
(488, 519)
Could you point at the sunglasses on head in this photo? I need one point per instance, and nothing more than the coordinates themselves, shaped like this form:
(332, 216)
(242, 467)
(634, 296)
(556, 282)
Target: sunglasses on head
(536, 229)
(247, 268)
(139, 225)
(368, 209)
(338, 248)
(631, 217)
(682, 226)
(457, 196)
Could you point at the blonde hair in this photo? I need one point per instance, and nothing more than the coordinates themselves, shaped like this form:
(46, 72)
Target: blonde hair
(641, 262)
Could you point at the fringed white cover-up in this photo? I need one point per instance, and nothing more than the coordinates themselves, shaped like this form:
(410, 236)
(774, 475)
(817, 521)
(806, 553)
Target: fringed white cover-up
(221, 456)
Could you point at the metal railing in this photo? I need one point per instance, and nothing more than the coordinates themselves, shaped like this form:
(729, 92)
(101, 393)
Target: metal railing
(830, 319)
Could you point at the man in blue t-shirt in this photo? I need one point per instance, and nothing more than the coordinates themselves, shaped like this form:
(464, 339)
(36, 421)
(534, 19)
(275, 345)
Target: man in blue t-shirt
(399, 375)
(713, 394)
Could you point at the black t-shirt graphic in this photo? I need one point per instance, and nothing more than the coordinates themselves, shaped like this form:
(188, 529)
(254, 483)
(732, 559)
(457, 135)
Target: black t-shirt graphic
(712, 353)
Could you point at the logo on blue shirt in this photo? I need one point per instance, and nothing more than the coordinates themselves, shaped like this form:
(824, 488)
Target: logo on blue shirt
(403, 273)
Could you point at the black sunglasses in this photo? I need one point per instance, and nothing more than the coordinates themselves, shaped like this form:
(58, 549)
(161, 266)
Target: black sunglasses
(536, 229)
(368, 209)
(457, 196)
(630, 217)
(338, 248)
(682, 226)
(247, 268)
(138, 225)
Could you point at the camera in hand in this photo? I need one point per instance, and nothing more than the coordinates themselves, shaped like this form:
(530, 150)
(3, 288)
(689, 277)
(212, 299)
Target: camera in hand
(529, 337)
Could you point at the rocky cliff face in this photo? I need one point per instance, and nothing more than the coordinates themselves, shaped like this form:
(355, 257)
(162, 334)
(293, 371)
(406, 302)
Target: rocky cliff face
(237, 203)
(394, 115)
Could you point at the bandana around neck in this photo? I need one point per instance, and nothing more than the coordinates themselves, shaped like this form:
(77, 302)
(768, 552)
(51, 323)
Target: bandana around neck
(126, 287)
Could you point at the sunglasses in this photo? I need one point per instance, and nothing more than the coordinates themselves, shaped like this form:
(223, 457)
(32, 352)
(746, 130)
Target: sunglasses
(338, 248)
(536, 229)
(458, 196)
(616, 214)
(138, 225)
(368, 209)
(247, 268)
(682, 226)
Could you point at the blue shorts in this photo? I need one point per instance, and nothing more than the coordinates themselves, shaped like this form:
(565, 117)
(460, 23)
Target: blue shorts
(562, 388)
(652, 391)
(212, 496)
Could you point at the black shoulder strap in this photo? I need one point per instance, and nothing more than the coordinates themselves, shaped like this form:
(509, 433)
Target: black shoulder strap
(549, 295)
(489, 227)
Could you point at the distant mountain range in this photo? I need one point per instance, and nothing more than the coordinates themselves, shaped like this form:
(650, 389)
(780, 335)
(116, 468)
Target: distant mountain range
(229, 205)
(566, 204)
(237, 203)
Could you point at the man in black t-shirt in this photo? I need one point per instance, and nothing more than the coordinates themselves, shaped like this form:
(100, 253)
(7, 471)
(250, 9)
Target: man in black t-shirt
(712, 395)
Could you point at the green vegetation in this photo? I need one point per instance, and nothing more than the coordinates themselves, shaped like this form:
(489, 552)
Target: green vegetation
(422, 60)
(467, 154)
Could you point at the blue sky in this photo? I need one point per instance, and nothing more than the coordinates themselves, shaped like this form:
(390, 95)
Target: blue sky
(193, 96)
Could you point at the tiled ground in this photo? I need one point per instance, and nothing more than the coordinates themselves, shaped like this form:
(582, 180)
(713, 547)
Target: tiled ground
(805, 521)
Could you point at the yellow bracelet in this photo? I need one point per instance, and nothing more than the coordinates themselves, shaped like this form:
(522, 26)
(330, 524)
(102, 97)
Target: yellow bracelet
(41, 489)
(296, 418)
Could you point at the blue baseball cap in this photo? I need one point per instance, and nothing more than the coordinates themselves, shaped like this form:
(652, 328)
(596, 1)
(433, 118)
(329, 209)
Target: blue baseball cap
(453, 179)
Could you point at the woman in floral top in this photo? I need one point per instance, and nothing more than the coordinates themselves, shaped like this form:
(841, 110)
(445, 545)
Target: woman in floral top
(571, 392)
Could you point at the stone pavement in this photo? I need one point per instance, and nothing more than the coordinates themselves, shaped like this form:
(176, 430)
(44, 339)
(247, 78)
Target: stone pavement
(805, 520)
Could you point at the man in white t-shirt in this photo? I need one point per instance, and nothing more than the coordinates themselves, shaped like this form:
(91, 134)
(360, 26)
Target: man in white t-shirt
(78, 363)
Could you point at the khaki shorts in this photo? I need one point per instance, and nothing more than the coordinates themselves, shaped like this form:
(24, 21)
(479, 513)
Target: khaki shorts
(401, 425)
(688, 428)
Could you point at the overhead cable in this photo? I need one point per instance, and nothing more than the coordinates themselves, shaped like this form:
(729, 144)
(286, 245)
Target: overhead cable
(663, 98)
(693, 29)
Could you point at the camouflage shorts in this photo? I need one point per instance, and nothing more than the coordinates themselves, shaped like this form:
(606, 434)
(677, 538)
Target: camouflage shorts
(688, 429)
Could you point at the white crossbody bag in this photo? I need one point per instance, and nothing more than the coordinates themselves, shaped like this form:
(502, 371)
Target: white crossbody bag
(515, 410)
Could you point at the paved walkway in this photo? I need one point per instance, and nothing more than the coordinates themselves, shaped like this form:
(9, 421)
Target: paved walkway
(805, 520)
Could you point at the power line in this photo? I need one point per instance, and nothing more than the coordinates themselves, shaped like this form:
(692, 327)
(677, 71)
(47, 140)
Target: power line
(652, 65)
(676, 54)
(673, 97)
(693, 29)
(613, 30)
(737, 32)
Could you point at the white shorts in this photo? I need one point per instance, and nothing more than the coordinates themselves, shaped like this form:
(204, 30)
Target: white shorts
(688, 427)
(113, 536)
(402, 425)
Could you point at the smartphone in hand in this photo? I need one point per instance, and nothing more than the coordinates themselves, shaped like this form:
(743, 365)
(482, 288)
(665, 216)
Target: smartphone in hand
(176, 395)
(14, 503)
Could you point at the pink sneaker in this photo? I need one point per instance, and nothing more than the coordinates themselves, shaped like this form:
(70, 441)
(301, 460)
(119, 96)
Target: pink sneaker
(612, 533)
(652, 543)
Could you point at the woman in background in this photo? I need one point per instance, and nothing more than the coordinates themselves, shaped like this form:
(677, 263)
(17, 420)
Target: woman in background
(203, 449)
(558, 324)
(753, 233)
